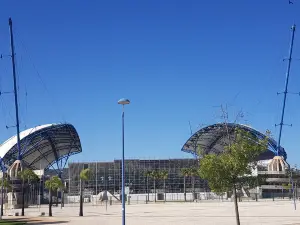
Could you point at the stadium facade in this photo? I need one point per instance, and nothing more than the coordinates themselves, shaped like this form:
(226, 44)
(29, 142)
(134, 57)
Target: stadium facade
(107, 176)
(48, 147)
(211, 139)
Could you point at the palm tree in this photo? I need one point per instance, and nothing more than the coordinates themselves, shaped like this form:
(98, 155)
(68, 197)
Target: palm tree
(185, 173)
(193, 172)
(63, 190)
(53, 184)
(164, 175)
(4, 184)
(85, 175)
(148, 174)
(155, 176)
(26, 175)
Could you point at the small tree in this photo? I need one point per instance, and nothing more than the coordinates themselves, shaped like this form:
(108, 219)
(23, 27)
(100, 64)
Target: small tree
(232, 169)
(155, 175)
(63, 190)
(53, 184)
(148, 174)
(189, 172)
(27, 176)
(164, 175)
(85, 175)
(4, 182)
(185, 173)
(193, 172)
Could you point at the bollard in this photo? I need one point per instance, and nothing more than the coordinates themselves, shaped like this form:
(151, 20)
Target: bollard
(110, 200)
(146, 200)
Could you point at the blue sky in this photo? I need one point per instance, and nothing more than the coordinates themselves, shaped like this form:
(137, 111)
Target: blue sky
(177, 61)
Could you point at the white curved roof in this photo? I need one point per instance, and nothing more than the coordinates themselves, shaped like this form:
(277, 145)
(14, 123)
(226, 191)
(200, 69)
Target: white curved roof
(213, 138)
(11, 142)
(42, 146)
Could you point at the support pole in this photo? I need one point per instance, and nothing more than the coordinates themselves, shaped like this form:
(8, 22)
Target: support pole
(15, 86)
(286, 86)
(123, 171)
(2, 196)
(40, 188)
(96, 183)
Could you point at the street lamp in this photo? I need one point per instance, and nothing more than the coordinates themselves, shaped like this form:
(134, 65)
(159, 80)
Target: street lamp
(123, 102)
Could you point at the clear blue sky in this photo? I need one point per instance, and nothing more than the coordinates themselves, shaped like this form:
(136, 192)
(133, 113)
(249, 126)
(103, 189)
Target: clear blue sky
(177, 61)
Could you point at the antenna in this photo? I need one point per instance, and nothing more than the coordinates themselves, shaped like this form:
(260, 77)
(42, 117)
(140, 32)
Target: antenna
(15, 85)
(191, 128)
(286, 88)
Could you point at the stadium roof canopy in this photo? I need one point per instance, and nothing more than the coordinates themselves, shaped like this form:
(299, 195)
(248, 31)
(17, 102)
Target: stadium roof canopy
(213, 138)
(43, 146)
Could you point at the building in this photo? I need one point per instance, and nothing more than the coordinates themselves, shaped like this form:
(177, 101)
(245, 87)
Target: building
(212, 139)
(107, 176)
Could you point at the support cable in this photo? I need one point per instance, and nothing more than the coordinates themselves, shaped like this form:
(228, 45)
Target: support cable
(41, 80)
(5, 109)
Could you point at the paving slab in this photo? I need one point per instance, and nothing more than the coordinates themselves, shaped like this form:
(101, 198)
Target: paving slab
(204, 213)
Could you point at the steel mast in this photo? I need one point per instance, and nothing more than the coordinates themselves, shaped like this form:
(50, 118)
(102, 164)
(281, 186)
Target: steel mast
(15, 86)
(286, 87)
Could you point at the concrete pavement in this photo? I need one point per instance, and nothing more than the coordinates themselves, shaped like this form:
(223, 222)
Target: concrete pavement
(204, 213)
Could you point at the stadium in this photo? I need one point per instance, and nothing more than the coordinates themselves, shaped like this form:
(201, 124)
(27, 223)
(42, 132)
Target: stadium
(212, 139)
(46, 149)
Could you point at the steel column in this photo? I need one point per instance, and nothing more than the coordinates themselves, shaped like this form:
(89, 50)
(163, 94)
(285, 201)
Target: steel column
(286, 87)
(123, 171)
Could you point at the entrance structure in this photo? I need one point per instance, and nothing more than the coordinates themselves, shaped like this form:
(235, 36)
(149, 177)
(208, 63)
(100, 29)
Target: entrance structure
(213, 138)
(42, 147)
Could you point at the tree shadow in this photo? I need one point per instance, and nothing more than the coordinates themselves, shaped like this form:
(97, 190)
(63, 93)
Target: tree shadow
(35, 220)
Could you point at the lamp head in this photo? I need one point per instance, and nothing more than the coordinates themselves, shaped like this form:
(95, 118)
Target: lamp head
(124, 101)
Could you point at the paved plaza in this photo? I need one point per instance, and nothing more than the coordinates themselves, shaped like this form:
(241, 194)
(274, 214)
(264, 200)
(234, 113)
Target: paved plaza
(204, 213)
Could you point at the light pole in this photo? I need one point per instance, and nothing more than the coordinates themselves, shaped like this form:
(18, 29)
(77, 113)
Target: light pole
(123, 102)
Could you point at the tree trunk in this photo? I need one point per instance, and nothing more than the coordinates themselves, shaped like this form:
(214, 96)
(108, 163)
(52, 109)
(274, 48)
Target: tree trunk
(237, 216)
(81, 200)
(184, 191)
(148, 188)
(193, 186)
(2, 194)
(154, 191)
(50, 202)
(23, 197)
(56, 198)
(40, 192)
(165, 189)
(6, 192)
(62, 203)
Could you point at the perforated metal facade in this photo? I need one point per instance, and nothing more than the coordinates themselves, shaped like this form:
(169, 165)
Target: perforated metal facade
(107, 176)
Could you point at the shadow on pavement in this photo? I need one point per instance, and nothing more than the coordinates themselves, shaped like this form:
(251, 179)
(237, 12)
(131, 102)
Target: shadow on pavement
(35, 220)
